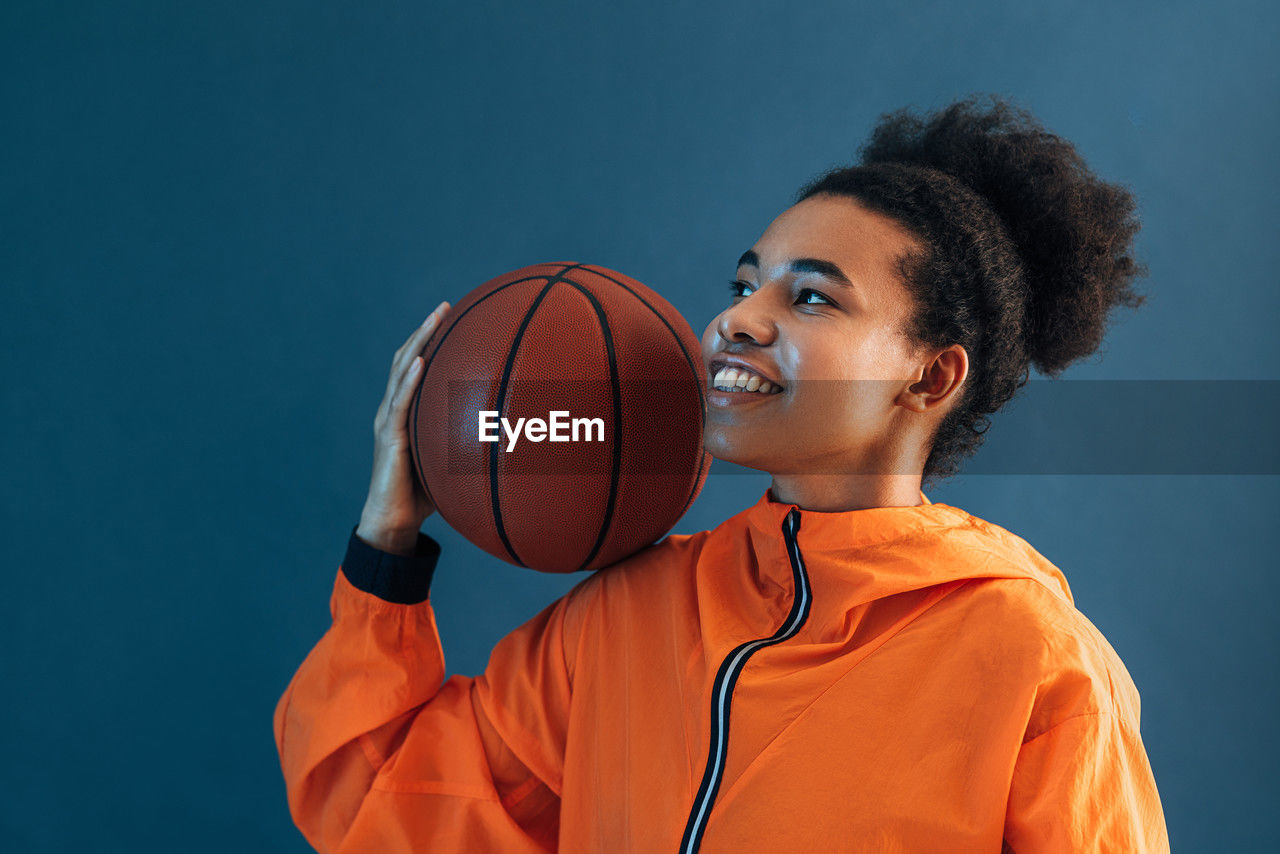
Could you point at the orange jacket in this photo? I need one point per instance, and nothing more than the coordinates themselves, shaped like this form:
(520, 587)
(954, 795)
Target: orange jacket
(889, 679)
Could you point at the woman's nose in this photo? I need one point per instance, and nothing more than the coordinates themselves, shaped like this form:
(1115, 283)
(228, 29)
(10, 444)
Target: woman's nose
(746, 321)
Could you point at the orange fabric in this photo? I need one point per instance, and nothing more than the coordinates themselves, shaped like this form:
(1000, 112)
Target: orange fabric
(893, 679)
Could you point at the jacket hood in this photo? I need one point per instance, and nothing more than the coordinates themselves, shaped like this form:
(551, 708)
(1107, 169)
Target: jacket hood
(856, 556)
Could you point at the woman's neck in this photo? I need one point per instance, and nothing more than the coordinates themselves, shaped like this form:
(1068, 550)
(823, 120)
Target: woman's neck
(834, 493)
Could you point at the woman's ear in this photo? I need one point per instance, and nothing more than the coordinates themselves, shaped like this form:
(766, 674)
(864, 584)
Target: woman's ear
(938, 380)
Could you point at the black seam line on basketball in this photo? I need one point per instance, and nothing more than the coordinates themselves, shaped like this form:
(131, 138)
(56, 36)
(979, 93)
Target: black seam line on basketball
(616, 466)
(494, 497)
(413, 413)
(697, 376)
(727, 678)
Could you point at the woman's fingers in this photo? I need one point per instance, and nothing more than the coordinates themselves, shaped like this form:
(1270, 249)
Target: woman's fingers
(411, 372)
(413, 346)
(407, 386)
(410, 349)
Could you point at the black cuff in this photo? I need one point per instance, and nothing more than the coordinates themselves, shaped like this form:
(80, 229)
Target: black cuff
(404, 579)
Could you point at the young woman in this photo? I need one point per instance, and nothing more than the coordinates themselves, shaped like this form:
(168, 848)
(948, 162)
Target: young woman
(843, 666)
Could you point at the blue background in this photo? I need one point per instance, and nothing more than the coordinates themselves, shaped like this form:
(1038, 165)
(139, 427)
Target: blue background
(220, 220)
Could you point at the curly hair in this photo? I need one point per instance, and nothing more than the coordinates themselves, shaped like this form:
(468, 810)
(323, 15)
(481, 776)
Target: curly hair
(1025, 251)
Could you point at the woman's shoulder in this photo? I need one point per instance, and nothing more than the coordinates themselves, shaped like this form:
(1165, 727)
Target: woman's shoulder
(1076, 669)
(1033, 614)
(656, 564)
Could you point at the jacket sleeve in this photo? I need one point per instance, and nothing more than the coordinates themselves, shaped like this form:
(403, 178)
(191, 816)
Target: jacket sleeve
(1085, 785)
(381, 753)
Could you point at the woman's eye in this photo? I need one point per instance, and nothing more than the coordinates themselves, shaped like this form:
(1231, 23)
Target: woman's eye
(804, 291)
(737, 285)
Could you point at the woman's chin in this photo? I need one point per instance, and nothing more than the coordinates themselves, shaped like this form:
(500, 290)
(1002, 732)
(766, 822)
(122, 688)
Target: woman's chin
(737, 454)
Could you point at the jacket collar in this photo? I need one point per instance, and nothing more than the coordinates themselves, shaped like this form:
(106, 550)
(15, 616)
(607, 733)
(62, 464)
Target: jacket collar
(861, 555)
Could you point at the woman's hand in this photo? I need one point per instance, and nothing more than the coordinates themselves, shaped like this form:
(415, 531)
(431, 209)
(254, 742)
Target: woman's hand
(397, 505)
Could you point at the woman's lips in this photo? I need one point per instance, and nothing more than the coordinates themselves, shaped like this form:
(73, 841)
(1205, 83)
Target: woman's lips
(718, 365)
(716, 397)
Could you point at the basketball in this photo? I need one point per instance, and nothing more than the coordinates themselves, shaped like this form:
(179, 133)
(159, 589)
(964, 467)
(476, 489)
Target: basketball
(558, 423)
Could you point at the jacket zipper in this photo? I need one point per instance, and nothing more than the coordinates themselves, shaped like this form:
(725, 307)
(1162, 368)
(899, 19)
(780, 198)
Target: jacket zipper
(722, 690)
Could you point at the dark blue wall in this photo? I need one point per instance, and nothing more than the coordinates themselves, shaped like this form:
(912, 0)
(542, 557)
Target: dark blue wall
(221, 219)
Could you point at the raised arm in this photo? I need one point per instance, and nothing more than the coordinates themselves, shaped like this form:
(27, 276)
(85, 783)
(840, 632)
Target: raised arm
(381, 753)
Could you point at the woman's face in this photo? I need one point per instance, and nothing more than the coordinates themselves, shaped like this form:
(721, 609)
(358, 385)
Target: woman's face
(848, 371)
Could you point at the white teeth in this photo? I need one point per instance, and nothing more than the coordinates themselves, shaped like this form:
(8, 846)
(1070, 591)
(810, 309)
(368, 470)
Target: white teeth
(735, 379)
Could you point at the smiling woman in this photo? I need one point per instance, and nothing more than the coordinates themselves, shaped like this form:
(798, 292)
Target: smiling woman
(902, 300)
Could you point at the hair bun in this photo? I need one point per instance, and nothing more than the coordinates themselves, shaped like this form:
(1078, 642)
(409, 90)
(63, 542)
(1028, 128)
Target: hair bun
(1073, 232)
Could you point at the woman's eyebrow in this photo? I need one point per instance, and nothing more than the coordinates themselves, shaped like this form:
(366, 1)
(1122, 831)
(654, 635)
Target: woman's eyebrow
(802, 265)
